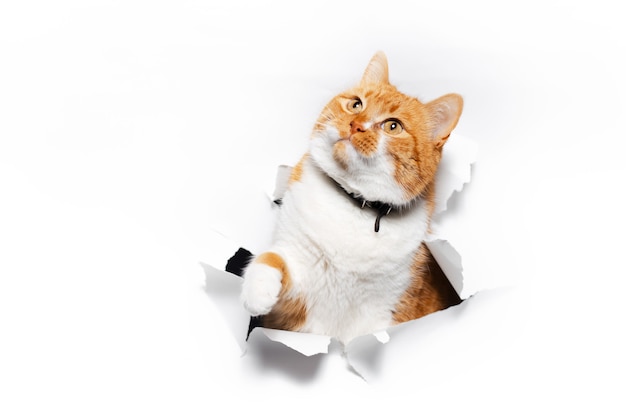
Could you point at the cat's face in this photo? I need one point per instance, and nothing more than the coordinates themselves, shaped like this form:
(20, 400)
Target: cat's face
(379, 143)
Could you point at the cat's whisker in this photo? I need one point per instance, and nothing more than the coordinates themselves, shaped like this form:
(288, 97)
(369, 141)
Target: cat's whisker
(324, 125)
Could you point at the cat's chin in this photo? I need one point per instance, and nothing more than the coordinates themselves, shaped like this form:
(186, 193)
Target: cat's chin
(352, 181)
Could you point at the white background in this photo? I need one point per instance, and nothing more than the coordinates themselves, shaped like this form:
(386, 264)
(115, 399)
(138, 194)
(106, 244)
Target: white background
(134, 134)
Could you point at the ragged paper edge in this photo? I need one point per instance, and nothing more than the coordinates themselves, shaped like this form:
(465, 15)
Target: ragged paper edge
(449, 260)
(446, 340)
(455, 169)
(306, 343)
(223, 288)
(454, 172)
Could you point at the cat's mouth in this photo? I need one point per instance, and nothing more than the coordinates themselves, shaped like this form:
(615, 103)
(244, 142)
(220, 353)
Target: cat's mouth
(364, 143)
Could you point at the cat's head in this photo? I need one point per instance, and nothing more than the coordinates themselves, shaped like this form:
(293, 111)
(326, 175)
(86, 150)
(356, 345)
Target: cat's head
(379, 143)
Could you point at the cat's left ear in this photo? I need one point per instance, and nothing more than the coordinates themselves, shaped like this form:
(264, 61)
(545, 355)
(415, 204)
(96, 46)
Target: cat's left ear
(444, 115)
(377, 71)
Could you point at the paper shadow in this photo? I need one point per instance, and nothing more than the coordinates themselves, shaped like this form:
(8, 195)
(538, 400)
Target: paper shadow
(265, 355)
(273, 357)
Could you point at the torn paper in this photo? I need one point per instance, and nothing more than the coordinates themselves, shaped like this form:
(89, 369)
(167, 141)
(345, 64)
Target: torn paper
(223, 288)
(454, 169)
(454, 172)
(305, 343)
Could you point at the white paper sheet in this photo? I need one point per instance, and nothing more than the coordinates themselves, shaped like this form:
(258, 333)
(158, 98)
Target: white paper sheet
(132, 131)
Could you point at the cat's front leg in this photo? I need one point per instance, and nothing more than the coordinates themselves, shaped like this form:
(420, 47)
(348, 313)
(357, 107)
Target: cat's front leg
(263, 282)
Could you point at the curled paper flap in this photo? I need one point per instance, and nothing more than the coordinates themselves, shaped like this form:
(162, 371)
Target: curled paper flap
(382, 336)
(305, 343)
(282, 179)
(450, 262)
(454, 170)
(223, 289)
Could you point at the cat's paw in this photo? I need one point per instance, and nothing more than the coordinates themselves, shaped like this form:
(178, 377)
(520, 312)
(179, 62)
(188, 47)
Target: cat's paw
(260, 289)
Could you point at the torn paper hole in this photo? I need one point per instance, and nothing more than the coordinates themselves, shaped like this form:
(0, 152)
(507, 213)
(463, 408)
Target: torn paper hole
(454, 172)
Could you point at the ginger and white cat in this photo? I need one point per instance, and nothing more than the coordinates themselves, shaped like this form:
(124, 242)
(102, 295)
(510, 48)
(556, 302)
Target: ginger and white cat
(348, 256)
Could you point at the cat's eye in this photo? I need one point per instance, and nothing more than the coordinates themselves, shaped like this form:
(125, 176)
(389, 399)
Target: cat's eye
(355, 105)
(392, 126)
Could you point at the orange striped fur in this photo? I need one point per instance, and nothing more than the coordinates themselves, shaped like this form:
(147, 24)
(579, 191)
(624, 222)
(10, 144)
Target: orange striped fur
(296, 172)
(429, 291)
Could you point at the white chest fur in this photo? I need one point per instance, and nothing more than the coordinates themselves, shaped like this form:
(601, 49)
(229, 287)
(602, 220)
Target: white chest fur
(350, 276)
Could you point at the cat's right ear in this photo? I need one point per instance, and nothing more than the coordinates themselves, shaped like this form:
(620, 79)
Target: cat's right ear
(444, 115)
(377, 71)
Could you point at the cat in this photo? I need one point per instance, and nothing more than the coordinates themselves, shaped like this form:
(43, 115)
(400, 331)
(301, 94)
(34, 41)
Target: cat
(348, 257)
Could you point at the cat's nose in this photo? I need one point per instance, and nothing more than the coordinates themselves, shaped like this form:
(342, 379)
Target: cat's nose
(356, 127)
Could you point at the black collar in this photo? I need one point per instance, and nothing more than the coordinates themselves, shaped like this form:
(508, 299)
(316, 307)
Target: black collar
(380, 207)
(383, 209)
